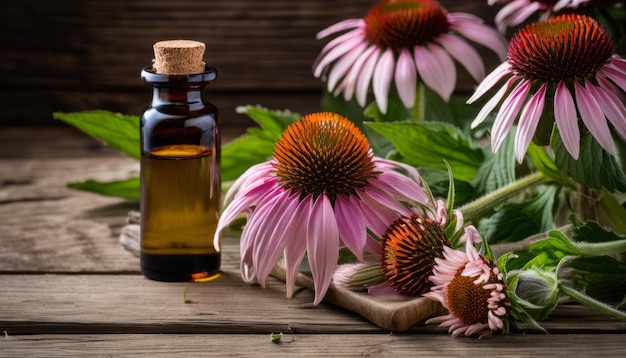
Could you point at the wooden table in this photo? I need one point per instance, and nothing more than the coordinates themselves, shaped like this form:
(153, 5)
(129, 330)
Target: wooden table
(68, 288)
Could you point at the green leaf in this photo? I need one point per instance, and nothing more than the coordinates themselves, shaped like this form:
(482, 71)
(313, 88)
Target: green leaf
(498, 169)
(544, 163)
(272, 122)
(117, 130)
(129, 188)
(429, 144)
(516, 221)
(591, 231)
(257, 145)
(602, 277)
(595, 167)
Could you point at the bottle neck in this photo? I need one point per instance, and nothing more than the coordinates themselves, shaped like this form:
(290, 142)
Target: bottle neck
(189, 96)
(178, 89)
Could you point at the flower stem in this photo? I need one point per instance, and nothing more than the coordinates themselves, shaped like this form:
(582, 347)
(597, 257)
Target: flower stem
(592, 302)
(488, 202)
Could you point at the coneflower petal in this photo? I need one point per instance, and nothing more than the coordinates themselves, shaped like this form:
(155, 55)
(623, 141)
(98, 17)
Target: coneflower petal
(464, 54)
(382, 79)
(529, 120)
(277, 230)
(611, 105)
(508, 113)
(616, 72)
(340, 26)
(363, 82)
(436, 69)
(405, 78)
(567, 119)
(514, 13)
(490, 81)
(352, 225)
(295, 250)
(349, 82)
(593, 117)
(475, 30)
(335, 49)
(322, 245)
(492, 103)
(343, 65)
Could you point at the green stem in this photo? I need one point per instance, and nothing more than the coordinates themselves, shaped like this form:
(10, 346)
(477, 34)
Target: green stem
(602, 248)
(486, 203)
(592, 302)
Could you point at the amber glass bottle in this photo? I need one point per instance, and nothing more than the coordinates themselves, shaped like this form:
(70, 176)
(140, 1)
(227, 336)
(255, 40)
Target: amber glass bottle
(180, 178)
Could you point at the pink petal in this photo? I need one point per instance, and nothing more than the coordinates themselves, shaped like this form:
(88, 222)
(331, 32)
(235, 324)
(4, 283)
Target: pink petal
(274, 234)
(528, 122)
(363, 81)
(351, 224)
(514, 13)
(616, 72)
(336, 49)
(256, 175)
(243, 202)
(464, 54)
(492, 103)
(322, 245)
(340, 26)
(593, 117)
(436, 69)
(406, 78)
(382, 79)
(377, 216)
(296, 248)
(343, 65)
(490, 81)
(611, 105)
(508, 113)
(480, 33)
(567, 119)
(348, 85)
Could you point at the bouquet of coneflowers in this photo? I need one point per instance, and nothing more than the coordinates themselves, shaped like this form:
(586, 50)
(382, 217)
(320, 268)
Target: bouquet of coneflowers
(497, 205)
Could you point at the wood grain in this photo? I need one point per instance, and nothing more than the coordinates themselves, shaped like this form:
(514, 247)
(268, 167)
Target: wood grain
(72, 55)
(310, 345)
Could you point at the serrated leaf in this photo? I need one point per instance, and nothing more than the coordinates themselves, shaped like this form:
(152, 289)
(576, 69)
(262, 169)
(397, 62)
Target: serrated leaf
(257, 145)
(128, 188)
(594, 168)
(516, 221)
(592, 231)
(429, 144)
(498, 169)
(117, 130)
(272, 122)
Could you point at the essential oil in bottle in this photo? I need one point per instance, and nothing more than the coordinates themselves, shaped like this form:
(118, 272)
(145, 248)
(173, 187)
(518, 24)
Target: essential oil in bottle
(180, 167)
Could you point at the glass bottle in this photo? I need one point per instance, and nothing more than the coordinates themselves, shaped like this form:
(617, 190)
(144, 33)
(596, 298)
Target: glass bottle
(180, 178)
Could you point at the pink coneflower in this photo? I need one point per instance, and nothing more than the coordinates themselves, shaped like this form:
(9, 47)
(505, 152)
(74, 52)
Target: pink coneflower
(517, 11)
(399, 40)
(471, 289)
(323, 189)
(567, 61)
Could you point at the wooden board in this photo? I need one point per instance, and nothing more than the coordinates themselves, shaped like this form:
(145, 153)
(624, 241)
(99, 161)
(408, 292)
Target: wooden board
(310, 345)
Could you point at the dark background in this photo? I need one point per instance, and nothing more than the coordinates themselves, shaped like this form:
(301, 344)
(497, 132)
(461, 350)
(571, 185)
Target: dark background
(74, 55)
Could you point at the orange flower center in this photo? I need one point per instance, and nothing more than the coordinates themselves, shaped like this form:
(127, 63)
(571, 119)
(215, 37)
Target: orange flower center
(323, 153)
(399, 24)
(410, 246)
(567, 47)
(469, 301)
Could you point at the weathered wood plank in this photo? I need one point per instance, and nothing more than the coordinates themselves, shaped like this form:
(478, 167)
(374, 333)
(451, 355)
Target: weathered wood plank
(311, 345)
(68, 304)
(71, 304)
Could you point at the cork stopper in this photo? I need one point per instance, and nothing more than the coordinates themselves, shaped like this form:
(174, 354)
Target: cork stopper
(178, 57)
